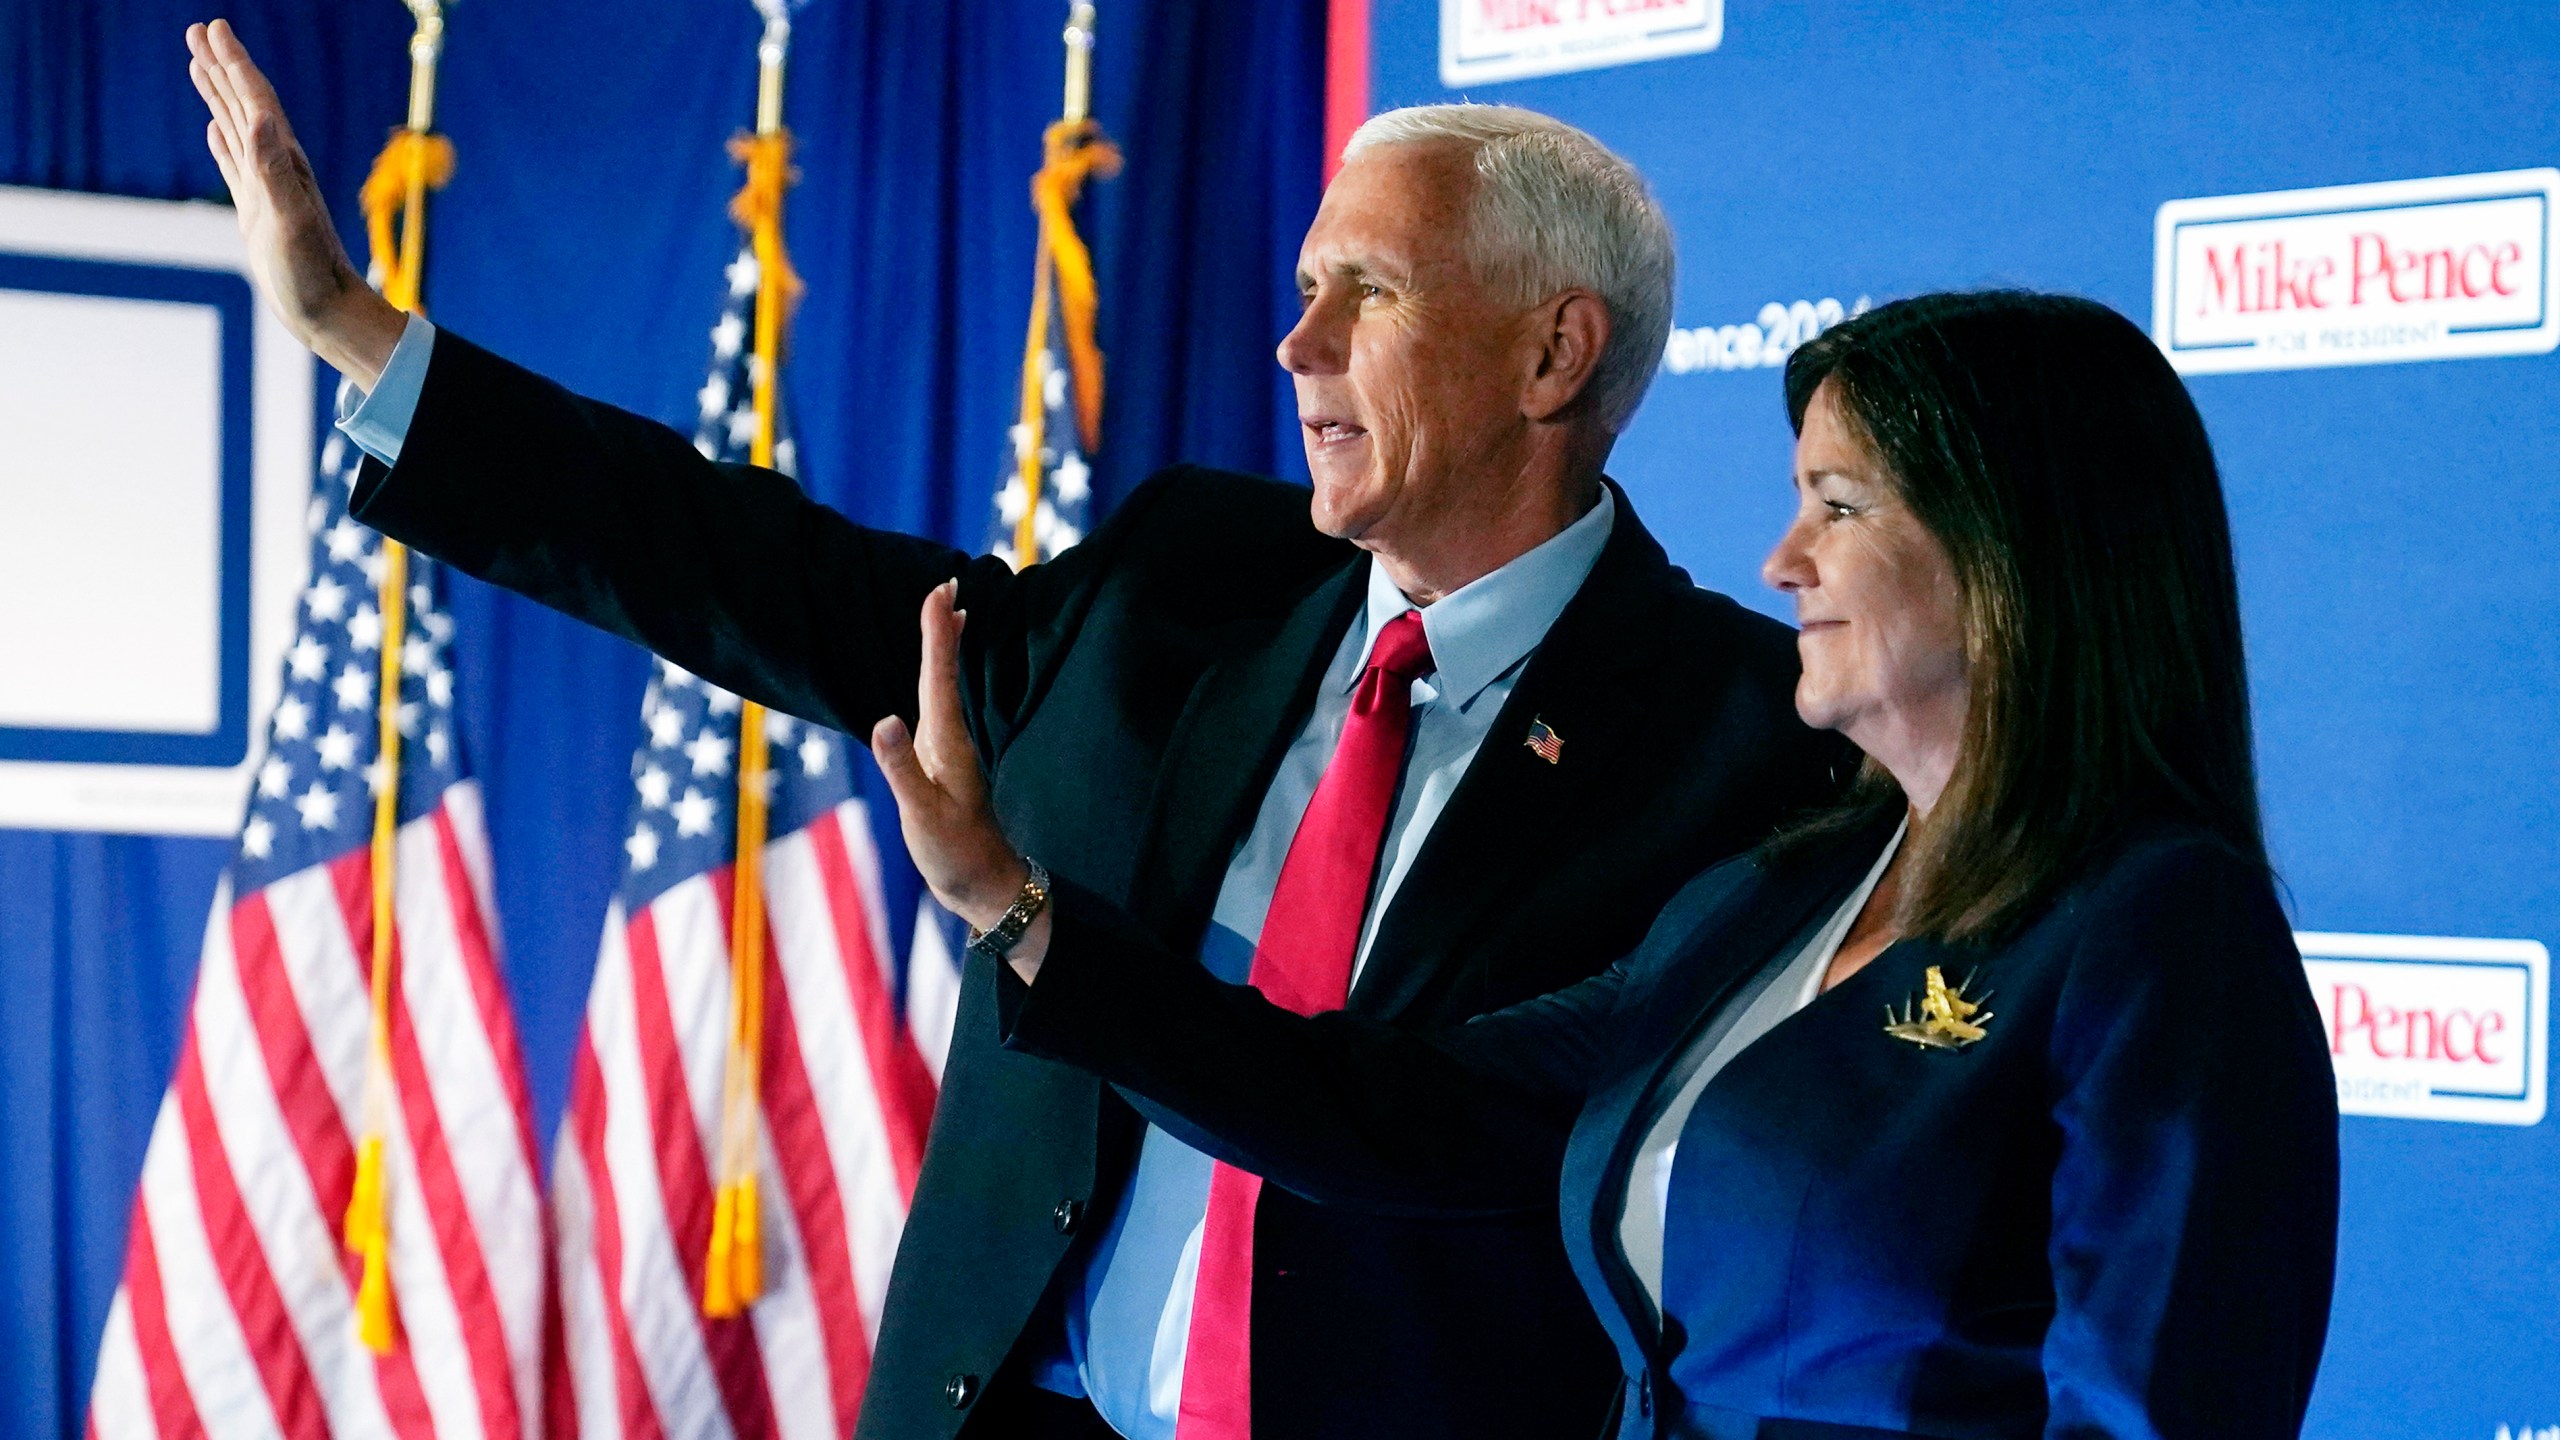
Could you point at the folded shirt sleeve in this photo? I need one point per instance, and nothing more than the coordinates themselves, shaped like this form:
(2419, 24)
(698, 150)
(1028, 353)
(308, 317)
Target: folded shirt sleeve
(379, 421)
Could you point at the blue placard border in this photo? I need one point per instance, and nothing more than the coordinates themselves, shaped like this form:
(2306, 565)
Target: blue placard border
(2542, 311)
(227, 293)
(2517, 1097)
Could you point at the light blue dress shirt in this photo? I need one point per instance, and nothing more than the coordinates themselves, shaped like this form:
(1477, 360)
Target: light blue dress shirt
(379, 421)
(1128, 1315)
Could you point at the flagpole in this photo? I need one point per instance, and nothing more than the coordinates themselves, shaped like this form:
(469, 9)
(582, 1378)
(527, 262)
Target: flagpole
(414, 161)
(733, 1271)
(1079, 38)
(1072, 149)
(426, 47)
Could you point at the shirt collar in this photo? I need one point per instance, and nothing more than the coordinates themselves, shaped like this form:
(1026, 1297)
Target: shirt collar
(1482, 629)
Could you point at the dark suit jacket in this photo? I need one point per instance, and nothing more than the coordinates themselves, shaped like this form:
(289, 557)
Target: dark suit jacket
(2115, 1214)
(1132, 699)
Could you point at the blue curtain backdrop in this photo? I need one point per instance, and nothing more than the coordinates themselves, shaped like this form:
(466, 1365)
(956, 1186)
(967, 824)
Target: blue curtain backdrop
(584, 234)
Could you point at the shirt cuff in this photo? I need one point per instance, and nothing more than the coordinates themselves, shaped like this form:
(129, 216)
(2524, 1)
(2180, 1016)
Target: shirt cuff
(379, 422)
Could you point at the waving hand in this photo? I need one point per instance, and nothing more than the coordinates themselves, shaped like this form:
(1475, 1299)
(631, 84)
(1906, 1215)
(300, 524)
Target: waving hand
(943, 806)
(293, 249)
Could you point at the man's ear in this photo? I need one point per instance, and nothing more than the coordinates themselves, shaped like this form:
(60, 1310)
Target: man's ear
(1572, 329)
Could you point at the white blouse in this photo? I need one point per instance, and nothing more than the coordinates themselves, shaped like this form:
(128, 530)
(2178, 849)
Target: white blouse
(1790, 990)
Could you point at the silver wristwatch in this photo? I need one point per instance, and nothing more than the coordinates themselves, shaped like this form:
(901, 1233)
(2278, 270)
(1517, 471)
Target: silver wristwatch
(996, 943)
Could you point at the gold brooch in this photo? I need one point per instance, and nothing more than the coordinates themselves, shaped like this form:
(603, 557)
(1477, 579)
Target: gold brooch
(1946, 1019)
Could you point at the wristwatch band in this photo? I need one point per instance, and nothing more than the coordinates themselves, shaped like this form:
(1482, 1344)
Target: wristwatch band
(996, 943)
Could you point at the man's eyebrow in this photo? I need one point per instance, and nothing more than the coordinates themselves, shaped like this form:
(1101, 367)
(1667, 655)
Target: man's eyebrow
(1352, 268)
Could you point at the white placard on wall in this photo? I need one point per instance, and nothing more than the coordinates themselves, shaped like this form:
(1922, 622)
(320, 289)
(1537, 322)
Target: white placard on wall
(2439, 269)
(2434, 1027)
(1488, 40)
(155, 462)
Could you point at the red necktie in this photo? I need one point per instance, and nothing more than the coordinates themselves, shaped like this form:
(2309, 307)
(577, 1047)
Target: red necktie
(1303, 962)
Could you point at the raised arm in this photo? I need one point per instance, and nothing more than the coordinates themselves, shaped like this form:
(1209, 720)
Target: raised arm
(728, 571)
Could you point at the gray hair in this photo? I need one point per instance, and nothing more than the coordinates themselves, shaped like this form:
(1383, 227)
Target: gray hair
(1555, 210)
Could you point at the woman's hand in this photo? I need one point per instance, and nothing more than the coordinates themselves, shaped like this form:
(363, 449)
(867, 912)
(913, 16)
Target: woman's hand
(950, 826)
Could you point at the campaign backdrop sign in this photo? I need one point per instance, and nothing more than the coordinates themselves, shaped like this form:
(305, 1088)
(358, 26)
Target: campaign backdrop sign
(2425, 1027)
(2436, 269)
(2279, 195)
(1484, 40)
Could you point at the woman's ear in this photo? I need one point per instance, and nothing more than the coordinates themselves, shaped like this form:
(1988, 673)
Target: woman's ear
(1572, 331)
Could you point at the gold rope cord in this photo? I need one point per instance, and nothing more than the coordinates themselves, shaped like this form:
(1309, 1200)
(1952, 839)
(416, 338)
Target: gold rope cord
(733, 1271)
(412, 163)
(1071, 151)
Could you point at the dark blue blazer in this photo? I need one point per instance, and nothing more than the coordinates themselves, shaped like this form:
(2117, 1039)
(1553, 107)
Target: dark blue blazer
(2114, 1215)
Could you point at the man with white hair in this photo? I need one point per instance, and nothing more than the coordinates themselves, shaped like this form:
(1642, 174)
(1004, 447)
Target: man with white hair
(1434, 740)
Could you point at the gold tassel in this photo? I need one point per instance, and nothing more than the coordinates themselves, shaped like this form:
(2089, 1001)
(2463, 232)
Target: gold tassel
(1071, 151)
(719, 1290)
(412, 162)
(748, 1259)
(1074, 150)
(369, 1238)
(757, 207)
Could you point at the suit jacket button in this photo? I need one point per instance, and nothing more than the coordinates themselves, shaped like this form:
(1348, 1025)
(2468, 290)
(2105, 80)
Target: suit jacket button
(959, 1390)
(1068, 1215)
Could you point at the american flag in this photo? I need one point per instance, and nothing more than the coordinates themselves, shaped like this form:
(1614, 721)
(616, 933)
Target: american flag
(1048, 445)
(852, 1053)
(1544, 742)
(1053, 449)
(236, 1315)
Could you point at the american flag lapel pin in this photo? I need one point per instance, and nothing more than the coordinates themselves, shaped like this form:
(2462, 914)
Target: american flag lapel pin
(1544, 742)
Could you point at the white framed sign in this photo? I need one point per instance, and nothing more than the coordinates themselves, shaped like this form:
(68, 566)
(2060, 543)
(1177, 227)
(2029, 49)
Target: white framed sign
(2434, 1027)
(155, 463)
(2441, 269)
(1487, 40)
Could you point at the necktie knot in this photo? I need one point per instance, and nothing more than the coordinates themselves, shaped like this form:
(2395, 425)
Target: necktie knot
(1402, 649)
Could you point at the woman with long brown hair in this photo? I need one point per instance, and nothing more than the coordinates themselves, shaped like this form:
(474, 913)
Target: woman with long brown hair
(1991, 1103)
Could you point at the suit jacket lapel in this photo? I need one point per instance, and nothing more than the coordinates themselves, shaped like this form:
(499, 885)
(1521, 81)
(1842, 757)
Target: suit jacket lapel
(1240, 719)
(1582, 681)
(1699, 976)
